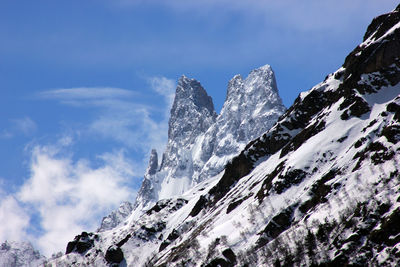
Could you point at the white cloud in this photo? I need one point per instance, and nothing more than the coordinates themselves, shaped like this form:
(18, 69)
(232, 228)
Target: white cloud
(165, 87)
(14, 220)
(70, 196)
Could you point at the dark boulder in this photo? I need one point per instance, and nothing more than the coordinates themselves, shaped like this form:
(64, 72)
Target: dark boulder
(114, 254)
(81, 243)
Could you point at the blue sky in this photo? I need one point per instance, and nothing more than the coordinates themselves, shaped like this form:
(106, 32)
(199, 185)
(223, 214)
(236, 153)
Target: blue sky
(86, 88)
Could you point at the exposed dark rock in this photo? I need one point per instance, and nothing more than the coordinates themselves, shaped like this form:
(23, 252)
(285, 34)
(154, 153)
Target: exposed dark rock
(276, 226)
(372, 123)
(393, 107)
(155, 228)
(157, 207)
(200, 204)
(123, 241)
(114, 254)
(319, 191)
(219, 262)
(360, 142)
(392, 133)
(357, 106)
(302, 137)
(390, 227)
(375, 57)
(381, 24)
(285, 181)
(171, 237)
(239, 167)
(81, 243)
(234, 204)
(379, 154)
(296, 117)
(70, 247)
(163, 245)
(229, 255)
(267, 183)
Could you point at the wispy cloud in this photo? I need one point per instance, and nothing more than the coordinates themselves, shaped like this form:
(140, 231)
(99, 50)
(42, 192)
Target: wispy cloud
(25, 125)
(83, 93)
(326, 15)
(120, 116)
(20, 126)
(165, 87)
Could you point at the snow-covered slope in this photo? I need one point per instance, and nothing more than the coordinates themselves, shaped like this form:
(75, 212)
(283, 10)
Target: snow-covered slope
(200, 143)
(116, 217)
(321, 187)
(16, 254)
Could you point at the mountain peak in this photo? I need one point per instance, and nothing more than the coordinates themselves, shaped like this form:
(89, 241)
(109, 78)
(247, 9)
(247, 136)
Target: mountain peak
(262, 78)
(191, 89)
(192, 108)
(258, 88)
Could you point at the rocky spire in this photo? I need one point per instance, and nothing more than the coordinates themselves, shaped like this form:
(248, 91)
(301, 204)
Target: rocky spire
(192, 111)
(153, 163)
(251, 107)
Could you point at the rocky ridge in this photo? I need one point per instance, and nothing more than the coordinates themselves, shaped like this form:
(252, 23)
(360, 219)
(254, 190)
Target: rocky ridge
(16, 254)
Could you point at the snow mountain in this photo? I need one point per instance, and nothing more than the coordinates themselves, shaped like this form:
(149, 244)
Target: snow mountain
(16, 254)
(116, 217)
(319, 188)
(200, 143)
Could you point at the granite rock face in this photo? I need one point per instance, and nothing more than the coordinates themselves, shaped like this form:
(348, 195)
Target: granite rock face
(200, 142)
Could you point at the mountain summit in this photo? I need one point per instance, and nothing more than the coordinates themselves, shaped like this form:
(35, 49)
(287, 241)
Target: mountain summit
(200, 143)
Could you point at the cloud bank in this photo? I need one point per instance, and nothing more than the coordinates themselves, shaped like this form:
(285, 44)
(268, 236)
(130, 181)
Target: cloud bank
(64, 196)
(72, 196)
